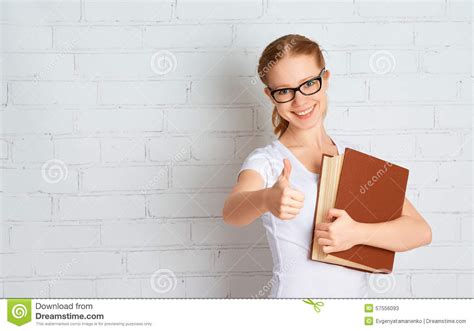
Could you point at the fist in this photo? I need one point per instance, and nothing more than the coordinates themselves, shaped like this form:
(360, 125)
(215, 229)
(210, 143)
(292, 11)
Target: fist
(283, 201)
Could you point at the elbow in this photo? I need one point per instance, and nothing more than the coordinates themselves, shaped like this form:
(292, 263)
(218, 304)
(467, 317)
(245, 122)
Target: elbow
(428, 235)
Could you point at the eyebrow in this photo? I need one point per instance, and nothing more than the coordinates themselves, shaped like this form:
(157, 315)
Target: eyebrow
(301, 81)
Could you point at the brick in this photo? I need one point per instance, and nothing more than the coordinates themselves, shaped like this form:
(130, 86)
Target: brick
(84, 264)
(140, 11)
(428, 258)
(32, 150)
(175, 149)
(39, 208)
(369, 34)
(446, 200)
(347, 90)
(123, 150)
(124, 179)
(18, 122)
(442, 34)
(40, 237)
(402, 146)
(464, 286)
(56, 178)
(173, 205)
(444, 227)
(245, 36)
(445, 146)
(306, 10)
(421, 173)
(203, 176)
(380, 62)
(120, 121)
(143, 262)
(37, 66)
(207, 147)
(140, 93)
(416, 89)
(401, 9)
(455, 174)
(101, 207)
(245, 145)
(453, 116)
(77, 288)
(444, 285)
(218, 233)
(210, 120)
(192, 35)
(26, 289)
(150, 234)
(41, 12)
(53, 93)
(163, 288)
(209, 10)
(186, 260)
(466, 229)
(389, 285)
(234, 91)
(207, 287)
(119, 288)
(447, 61)
(77, 150)
(26, 37)
(17, 264)
(97, 37)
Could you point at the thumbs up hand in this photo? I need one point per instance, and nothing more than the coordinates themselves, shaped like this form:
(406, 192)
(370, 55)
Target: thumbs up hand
(283, 201)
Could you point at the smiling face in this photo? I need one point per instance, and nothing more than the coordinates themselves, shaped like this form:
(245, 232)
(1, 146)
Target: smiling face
(304, 111)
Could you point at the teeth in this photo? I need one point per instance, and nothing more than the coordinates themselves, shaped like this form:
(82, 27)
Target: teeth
(305, 112)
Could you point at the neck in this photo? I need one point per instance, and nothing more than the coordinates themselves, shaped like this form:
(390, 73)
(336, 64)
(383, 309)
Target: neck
(316, 137)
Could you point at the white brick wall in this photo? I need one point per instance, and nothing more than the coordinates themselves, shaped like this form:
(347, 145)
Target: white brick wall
(115, 162)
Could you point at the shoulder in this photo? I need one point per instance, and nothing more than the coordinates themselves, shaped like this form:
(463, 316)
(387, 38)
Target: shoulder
(267, 160)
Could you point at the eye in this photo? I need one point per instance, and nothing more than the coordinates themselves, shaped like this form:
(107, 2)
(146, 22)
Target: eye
(310, 82)
(283, 92)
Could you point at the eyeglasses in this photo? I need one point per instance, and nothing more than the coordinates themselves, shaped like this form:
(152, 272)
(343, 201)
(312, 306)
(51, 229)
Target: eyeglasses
(309, 87)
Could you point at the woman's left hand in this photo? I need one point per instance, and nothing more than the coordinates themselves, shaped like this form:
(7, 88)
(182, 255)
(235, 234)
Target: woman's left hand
(341, 234)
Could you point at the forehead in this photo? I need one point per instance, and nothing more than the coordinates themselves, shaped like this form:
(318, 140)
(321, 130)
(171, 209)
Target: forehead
(290, 70)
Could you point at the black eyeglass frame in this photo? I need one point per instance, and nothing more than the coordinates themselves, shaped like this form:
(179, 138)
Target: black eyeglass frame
(296, 89)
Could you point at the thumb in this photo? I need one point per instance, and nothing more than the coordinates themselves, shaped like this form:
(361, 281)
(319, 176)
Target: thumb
(285, 173)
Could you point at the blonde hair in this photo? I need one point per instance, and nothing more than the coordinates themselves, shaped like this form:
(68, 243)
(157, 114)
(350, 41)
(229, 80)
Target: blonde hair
(291, 44)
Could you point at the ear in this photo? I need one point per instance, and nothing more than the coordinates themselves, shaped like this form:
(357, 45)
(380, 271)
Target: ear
(326, 76)
(268, 93)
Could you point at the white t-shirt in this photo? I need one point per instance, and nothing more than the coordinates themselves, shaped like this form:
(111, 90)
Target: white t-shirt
(295, 275)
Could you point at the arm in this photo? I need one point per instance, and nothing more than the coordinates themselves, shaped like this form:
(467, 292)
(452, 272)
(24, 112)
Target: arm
(402, 234)
(246, 201)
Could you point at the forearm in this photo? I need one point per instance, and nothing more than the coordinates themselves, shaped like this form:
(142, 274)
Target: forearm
(243, 208)
(399, 235)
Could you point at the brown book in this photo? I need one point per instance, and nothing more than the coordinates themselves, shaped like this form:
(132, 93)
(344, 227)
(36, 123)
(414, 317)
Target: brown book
(370, 190)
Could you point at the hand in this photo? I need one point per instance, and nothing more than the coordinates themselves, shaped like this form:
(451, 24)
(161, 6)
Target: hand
(338, 235)
(281, 200)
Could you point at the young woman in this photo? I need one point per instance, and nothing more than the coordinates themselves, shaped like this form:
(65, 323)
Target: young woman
(278, 183)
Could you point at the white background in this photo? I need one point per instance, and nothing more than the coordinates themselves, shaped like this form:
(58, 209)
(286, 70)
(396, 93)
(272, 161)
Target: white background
(143, 161)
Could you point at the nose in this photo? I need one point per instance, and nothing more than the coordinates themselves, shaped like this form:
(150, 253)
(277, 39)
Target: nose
(299, 99)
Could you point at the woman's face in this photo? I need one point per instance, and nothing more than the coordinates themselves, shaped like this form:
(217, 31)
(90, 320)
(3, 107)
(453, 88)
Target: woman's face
(292, 71)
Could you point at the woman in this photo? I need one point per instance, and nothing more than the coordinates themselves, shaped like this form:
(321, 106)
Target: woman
(278, 183)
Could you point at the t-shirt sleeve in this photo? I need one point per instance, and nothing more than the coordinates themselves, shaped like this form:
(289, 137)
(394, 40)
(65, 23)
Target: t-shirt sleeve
(257, 160)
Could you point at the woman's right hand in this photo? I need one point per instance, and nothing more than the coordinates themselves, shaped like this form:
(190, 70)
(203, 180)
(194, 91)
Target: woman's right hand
(283, 201)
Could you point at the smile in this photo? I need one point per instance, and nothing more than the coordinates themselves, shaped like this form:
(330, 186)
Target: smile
(305, 113)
